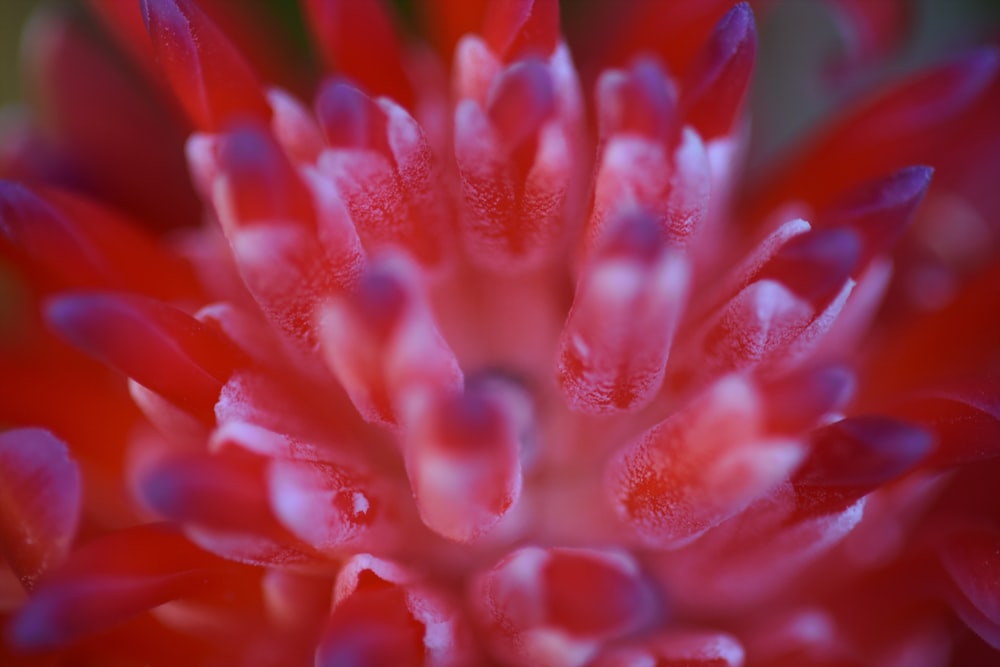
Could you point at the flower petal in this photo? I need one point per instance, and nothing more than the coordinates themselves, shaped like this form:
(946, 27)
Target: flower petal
(358, 39)
(700, 466)
(557, 606)
(209, 77)
(384, 615)
(717, 83)
(160, 347)
(463, 457)
(40, 502)
(107, 582)
(516, 29)
(972, 559)
(629, 301)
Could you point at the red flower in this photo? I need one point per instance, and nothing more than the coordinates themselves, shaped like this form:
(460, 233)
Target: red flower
(457, 368)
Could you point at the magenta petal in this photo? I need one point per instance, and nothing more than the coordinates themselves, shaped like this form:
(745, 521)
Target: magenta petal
(850, 458)
(118, 138)
(40, 497)
(907, 123)
(37, 229)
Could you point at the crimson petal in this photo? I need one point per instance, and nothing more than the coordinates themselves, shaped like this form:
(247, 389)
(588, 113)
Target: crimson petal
(972, 559)
(210, 78)
(358, 38)
(517, 29)
(107, 582)
(40, 500)
(158, 346)
(717, 83)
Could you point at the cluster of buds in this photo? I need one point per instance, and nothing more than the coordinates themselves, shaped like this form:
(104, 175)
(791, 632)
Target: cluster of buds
(435, 363)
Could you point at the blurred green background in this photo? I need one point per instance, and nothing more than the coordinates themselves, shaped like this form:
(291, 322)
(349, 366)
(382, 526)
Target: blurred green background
(13, 14)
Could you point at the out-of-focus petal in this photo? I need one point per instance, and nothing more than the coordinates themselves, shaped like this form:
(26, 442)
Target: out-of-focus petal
(40, 502)
(210, 78)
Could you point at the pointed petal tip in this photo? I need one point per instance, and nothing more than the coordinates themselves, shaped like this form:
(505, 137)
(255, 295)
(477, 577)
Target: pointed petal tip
(350, 118)
(262, 183)
(160, 347)
(211, 79)
(717, 83)
(912, 182)
(522, 99)
(863, 451)
(738, 23)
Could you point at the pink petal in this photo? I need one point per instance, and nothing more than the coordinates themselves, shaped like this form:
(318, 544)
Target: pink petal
(40, 502)
(382, 340)
(641, 100)
(521, 100)
(700, 466)
(294, 126)
(324, 504)
(383, 614)
(616, 340)
(350, 118)
(557, 606)
(463, 457)
(681, 648)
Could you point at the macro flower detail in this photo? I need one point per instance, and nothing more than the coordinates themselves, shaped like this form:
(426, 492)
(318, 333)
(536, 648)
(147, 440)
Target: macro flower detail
(489, 336)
